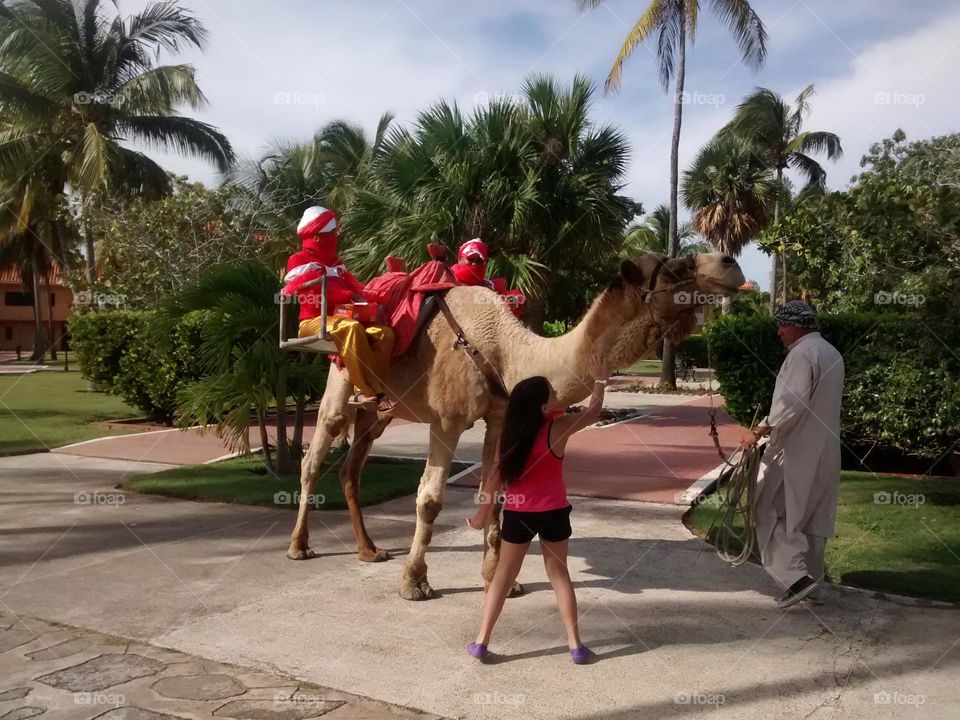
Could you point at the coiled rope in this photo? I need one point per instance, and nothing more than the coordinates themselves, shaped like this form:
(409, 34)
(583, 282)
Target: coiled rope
(738, 505)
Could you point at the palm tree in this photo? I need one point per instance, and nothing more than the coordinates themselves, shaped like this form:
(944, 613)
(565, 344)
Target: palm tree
(672, 22)
(653, 235)
(245, 369)
(328, 170)
(776, 128)
(537, 180)
(730, 190)
(76, 83)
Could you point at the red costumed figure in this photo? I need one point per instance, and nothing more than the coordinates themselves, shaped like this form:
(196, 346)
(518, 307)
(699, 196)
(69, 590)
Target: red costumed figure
(472, 270)
(364, 349)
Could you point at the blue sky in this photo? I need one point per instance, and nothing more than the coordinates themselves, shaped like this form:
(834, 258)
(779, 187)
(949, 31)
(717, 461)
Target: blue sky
(281, 69)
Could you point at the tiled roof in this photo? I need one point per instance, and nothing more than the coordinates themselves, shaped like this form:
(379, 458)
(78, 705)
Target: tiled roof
(11, 276)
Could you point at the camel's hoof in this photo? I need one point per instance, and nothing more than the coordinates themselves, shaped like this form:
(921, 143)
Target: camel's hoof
(515, 591)
(375, 555)
(304, 554)
(420, 591)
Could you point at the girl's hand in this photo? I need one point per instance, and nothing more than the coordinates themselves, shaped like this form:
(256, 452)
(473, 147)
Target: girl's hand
(597, 367)
(478, 521)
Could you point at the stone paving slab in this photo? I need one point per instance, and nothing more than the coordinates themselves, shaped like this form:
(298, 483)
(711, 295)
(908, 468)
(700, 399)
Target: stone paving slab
(67, 673)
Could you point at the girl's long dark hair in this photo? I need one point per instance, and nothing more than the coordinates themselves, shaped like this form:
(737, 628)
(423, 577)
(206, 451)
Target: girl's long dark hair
(523, 421)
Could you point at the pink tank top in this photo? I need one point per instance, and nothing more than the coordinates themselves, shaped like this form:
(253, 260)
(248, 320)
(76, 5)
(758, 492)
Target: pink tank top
(540, 486)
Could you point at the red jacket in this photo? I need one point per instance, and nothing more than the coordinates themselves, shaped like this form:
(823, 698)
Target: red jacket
(342, 286)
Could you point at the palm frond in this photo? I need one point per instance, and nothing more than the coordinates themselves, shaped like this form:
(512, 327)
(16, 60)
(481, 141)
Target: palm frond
(746, 27)
(653, 17)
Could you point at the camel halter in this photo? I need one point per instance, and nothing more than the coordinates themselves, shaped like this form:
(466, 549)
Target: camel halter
(655, 275)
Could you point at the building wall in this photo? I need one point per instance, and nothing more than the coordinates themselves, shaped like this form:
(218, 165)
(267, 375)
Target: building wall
(16, 322)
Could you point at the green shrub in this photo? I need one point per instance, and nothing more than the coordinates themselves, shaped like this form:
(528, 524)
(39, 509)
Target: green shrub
(126, 354)
(693, 348)
(554, 329)
(901, 391)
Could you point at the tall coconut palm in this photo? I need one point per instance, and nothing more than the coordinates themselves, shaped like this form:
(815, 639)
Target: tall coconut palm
(731, 191)
(776, 128)
(673, 22)
(536, 179)
(653, 235)
(77, 81)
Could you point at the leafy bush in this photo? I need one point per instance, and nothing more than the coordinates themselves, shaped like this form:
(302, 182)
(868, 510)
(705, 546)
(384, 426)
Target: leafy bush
(554, 329)
(693, 348)
(902, 389)
(124, 353)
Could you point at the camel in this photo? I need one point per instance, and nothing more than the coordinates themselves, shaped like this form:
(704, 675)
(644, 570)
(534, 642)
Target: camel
(435, 382)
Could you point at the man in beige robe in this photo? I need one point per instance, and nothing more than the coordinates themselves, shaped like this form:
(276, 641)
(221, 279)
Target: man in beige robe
(799, 479)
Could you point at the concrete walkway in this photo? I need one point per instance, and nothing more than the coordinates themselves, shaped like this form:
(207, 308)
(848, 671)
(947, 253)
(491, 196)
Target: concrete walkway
(652, 458)
(677, 632)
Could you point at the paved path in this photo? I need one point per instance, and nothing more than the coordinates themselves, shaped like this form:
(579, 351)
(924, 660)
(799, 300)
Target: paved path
(678, 633)
(653, 458)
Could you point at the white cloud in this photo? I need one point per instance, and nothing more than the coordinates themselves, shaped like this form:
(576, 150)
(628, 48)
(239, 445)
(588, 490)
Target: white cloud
(283, 69)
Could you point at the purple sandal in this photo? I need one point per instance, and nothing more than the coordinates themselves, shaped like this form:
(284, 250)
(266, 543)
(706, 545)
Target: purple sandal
(477, 650)
(580, 655)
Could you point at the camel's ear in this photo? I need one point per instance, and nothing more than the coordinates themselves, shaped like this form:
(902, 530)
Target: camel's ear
(639, 271)
(630, 272)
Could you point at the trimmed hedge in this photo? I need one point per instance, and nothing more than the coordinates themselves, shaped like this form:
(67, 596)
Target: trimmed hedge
(125, 353)
(902, 387)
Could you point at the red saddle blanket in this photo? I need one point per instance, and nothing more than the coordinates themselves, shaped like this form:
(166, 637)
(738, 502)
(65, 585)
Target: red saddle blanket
(401, 294)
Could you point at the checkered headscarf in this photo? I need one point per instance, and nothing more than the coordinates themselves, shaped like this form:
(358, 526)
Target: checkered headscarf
(796, 313)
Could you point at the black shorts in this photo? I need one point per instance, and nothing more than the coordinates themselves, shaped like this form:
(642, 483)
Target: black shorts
(521, 527)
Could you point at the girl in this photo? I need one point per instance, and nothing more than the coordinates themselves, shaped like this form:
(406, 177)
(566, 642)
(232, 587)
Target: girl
(530, 467)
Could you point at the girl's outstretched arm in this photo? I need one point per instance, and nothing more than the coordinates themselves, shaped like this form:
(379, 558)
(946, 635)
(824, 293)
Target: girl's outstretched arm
(567, 425)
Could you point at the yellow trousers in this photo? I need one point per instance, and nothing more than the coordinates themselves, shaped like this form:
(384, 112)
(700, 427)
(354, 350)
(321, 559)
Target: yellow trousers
(364, 349)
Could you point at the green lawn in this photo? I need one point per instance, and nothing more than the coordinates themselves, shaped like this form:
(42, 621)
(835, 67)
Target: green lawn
(246, 481)
(909, 545)
(645, 366)
(51, 408)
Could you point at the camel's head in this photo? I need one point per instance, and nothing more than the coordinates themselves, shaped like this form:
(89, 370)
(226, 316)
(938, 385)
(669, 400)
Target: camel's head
(654, 296)
(673, 285)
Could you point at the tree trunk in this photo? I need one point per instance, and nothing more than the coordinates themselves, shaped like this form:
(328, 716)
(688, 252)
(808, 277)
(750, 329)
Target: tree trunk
(264, 438)
(296, 444)
(773, 255)
(39, 341)
(90, 253)
(284, 465)
(783, 277)
(534, 313)
(50, 328)
(668, 373)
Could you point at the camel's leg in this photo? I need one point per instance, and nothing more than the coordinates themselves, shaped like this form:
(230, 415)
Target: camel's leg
(366, 428)
(491, 533)
(331, 422)
(433, 484)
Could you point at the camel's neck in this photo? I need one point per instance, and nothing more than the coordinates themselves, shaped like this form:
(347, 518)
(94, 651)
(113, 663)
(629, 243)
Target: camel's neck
(563, 360)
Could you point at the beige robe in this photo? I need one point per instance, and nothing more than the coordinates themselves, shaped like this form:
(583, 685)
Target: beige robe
(803, 455)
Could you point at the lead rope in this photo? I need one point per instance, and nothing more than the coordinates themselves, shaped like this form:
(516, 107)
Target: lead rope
(737, 507)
